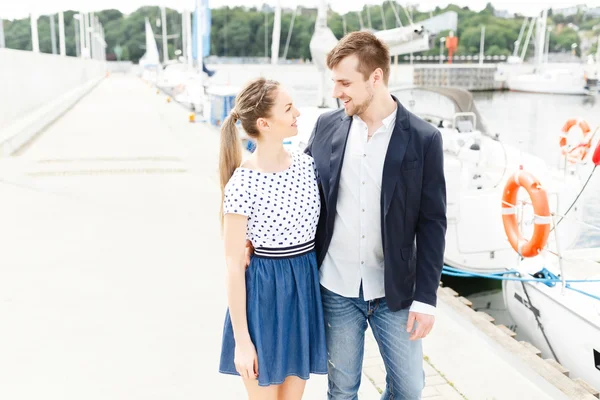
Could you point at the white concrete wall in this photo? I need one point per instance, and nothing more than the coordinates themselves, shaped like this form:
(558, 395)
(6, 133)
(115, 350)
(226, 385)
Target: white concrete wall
(36, 88)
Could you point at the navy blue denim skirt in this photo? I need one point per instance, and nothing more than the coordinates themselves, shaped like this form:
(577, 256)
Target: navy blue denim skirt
(285, 316)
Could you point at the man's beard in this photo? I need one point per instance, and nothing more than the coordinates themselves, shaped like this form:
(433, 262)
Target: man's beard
(362, 107)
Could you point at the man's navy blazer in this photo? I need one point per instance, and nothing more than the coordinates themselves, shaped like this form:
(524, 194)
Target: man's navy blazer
(413, 202)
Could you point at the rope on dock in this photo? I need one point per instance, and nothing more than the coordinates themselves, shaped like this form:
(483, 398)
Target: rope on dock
(514, 275)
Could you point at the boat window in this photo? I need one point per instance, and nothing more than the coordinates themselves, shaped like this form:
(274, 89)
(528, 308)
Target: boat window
(464, 125)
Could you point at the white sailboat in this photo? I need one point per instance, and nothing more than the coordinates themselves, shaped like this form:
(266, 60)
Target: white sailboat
(186, 79)
(558, 308)
(150, 61)
(551, 81)
(570, 80)
(562, 323)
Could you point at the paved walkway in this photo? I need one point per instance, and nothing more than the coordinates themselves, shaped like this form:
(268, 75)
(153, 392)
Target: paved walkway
(112, 282)
(437, 387)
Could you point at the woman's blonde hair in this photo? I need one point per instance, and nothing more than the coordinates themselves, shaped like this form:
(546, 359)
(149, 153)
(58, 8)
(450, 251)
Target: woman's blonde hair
(254, 101)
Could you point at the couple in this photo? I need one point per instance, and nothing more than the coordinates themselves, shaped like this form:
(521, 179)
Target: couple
(350, 233)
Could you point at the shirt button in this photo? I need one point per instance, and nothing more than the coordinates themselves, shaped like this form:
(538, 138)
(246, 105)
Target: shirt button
(363, 182)
(363, 210)
(363, 236)
(362, 262)
(364, 155)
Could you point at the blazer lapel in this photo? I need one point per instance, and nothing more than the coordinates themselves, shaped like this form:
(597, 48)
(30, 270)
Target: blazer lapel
(338, 147)
(395, 155)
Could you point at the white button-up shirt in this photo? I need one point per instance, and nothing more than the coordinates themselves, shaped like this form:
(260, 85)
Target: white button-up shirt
(355, 254)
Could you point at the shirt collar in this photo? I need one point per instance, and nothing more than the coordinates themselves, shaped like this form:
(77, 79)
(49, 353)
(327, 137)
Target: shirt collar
(387, 121)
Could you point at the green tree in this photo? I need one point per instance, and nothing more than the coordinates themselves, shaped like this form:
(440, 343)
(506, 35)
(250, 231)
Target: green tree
(558, 18)
(563, 41)
(240, 31)
(489, 9)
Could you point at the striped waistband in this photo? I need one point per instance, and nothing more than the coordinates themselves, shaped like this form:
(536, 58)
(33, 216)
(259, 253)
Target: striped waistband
(281, 252)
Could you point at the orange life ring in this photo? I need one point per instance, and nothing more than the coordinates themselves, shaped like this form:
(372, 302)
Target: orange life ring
(541, 209)
(579, 152)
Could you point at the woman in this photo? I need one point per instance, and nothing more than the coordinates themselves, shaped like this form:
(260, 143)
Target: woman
(274, 334)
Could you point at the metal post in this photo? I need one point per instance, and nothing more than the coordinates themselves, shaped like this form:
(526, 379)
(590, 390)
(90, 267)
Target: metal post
(93, 54)
(369, 17)
(408, 16)
(547, 50)
(184, 38)
(188, 29)
(101, 47)
(482, 45)
(101, 42)
(558, 252)
(289, 36)
(199, 14)
(61, 33)
(540, 38)
(76, 29)
(2, 42)
(360, 20)
(276, 34)
(53, 34)
(266, 35)
(442, 41)
(524, 51)
(520, 38)
(90, 24)
(105, 45)
(86, 23)
(343, 24)
(35, 40)
(163, 13)
(398, 21)
(81, 35)
(382, 16)
(97, 41)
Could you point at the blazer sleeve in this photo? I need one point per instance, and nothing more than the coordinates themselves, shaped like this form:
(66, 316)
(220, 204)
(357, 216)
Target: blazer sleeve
(431, 224)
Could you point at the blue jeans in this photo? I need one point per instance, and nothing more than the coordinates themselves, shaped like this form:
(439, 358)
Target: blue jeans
(345, 325)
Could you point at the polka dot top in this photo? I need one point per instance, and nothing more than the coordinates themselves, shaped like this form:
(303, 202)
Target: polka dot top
(282, 207)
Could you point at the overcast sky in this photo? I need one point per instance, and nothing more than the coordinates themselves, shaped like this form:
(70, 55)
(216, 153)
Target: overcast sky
(20, 8)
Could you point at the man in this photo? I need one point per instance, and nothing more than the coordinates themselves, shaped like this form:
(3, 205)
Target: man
(381, 235)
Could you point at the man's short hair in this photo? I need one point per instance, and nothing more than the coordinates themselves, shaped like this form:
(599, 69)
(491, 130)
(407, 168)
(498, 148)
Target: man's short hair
(371, 52)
